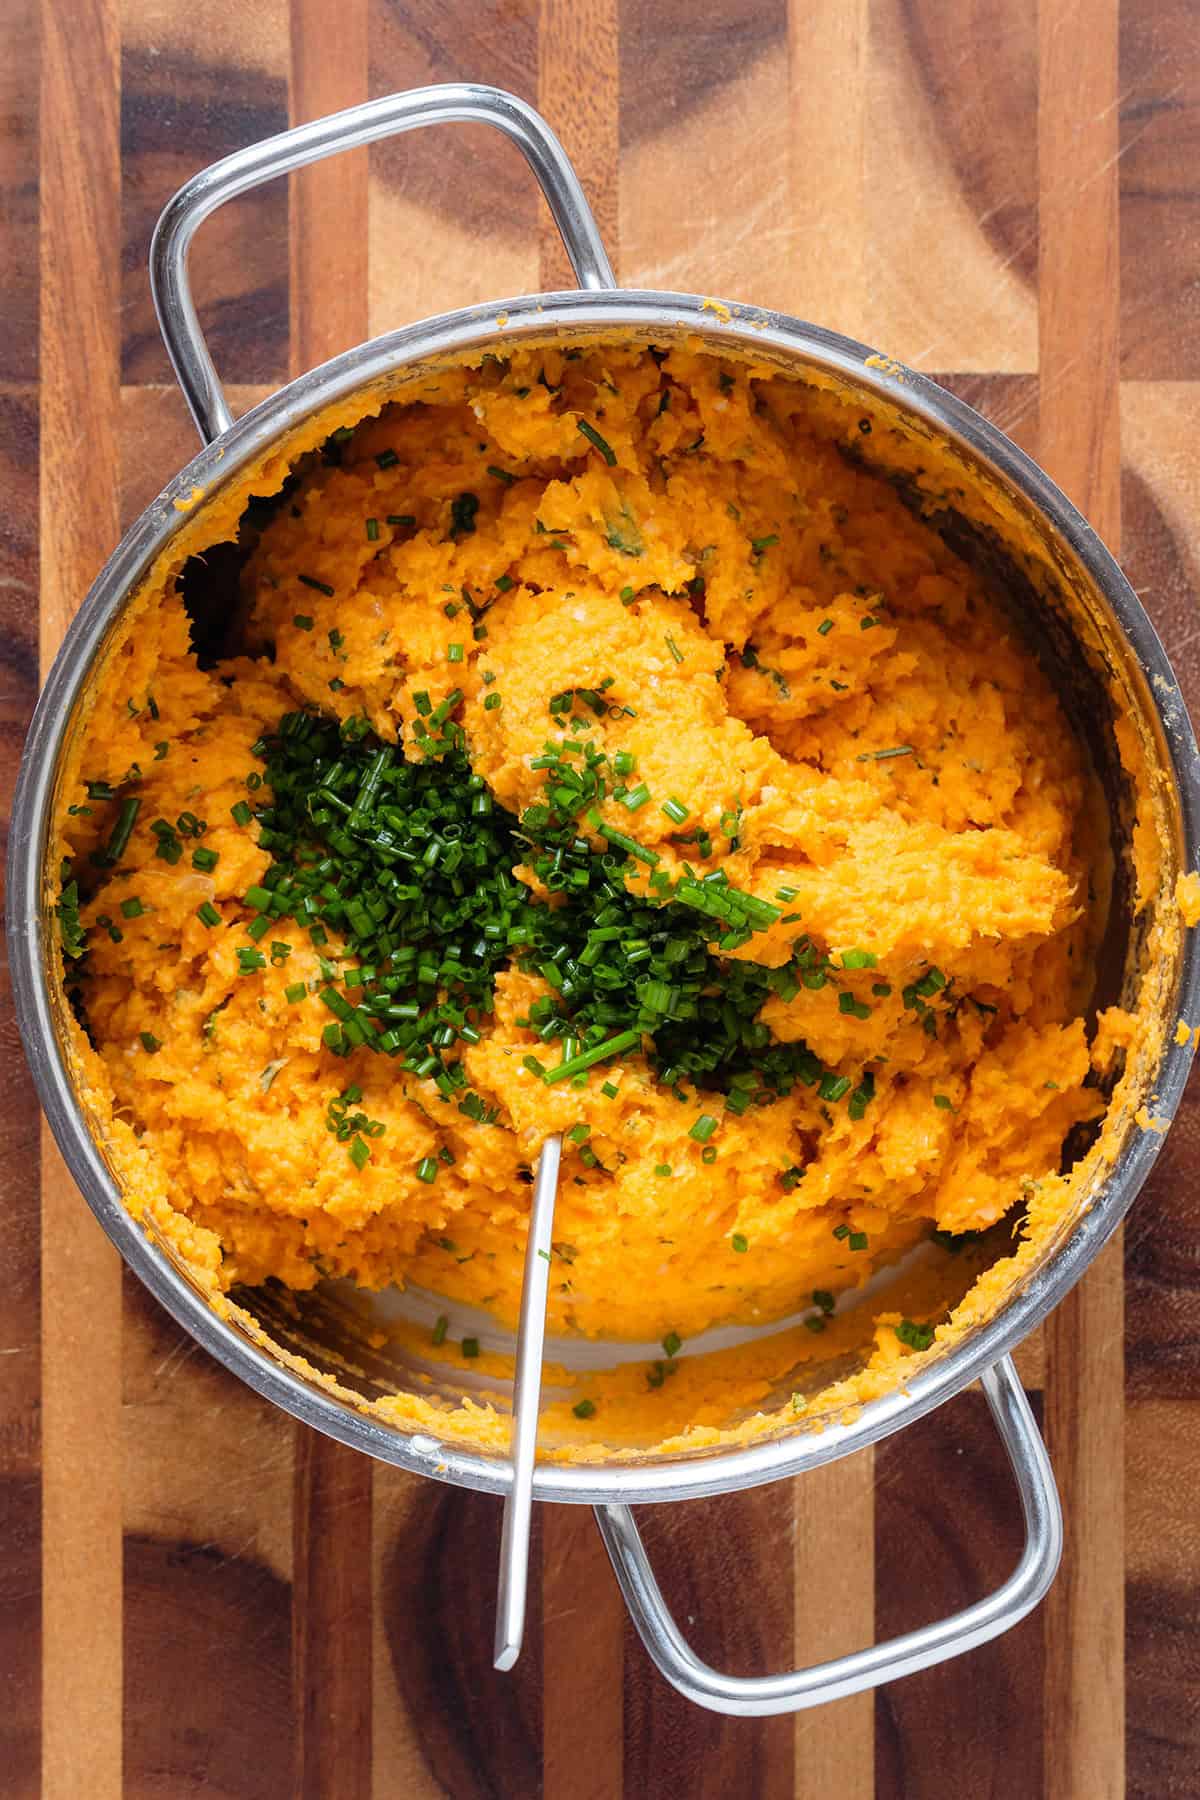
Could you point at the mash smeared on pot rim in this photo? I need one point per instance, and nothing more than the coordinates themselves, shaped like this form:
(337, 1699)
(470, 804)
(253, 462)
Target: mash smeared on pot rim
(598, 747)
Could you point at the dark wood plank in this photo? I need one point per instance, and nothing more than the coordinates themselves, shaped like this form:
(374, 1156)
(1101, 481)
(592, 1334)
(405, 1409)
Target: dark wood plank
(1160, 194)
(20, 33)
(1163, 1599)
(948, 1530)
(476, 1734)
(724, 1567)
(196, 85)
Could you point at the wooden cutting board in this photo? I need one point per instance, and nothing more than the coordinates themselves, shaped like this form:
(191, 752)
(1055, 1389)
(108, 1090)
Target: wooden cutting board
(196, 1596)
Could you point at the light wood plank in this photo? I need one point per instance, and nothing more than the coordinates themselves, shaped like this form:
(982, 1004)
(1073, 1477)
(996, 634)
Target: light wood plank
(833, 1574)
(332, 1597)
(945, 291)
(705, 153)
(81, 1376)
(828, 44)
(583, 1625)
(578, 92)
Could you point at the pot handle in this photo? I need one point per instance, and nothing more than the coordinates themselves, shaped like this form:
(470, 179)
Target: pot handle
(454, 103)
(761, 1695)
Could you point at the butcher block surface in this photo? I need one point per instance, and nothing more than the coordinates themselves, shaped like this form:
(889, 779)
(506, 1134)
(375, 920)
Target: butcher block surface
(199, 1597)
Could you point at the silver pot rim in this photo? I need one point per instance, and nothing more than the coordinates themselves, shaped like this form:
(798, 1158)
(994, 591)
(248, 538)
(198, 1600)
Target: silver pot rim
(726, 325)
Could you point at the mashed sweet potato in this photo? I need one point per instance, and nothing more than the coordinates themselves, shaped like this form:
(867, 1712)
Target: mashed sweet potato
(856, 733)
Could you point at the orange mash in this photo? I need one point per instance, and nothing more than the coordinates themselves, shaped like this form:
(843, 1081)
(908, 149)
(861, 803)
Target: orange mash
(779, 641)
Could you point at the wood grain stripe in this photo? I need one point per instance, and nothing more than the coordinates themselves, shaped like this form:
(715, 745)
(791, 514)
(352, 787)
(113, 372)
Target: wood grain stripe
(833, 1562)
(705, 149)
(454, 210)
(399, 1763)
(20, 1300)
(1160, 195)
(833, 1575)
(827, 174)
(578, 92)
(198, 82)
(1079, 428)
(723, 1565)
(949, 1532)
(1161, 553)
(332, 1601)
(81, 1376)
(583, 1615)
(207, 1703)
(945, 291)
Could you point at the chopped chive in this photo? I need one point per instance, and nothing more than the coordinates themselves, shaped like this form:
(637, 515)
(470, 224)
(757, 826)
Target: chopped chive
(401, 518)
(859, 959)
(427, 1169)
(240, 814)
(387, 459)
(675, 810)
(703, 1129)
(122, 830)
(320, 587)
(492, 703)
(294, 992)
(914, 1337)
(663, 1169)
(440, 1330)
(470, 1346)
(627, 596)
(132, 908)
(372, 530)
(944, 1101)
(593, 437)
(150, 1044)
(501, 474)
(857, 1240)
(672, 1343)
(841, 1231)
(610, 1090)
(673, 647)
(758, 545)
(886, 755)
(636, 797)
(575, 1065)
(205, 860)
(454, 653)
(584, 1409)
(709, 1153)
(208, 914)
(739, 1243)
(360, 1153)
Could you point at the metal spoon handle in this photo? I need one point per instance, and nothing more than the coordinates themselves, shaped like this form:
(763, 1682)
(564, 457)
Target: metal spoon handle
(527, 1394)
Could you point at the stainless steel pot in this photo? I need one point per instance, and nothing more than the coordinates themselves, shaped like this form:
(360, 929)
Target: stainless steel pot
(1100, 609)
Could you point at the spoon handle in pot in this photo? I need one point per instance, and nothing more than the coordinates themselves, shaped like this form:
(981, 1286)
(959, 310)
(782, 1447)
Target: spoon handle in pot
(527, 1395)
